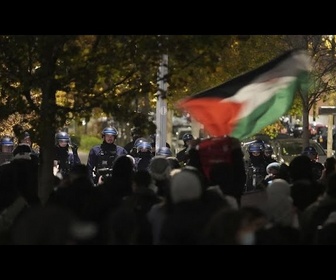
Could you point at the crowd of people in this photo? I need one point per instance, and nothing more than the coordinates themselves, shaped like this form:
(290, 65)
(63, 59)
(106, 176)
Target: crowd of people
(136, 195)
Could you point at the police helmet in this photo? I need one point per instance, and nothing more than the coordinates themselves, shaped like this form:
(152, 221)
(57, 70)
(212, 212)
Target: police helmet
(110, 131)
(268, 149)
(186, 137)
(6, 141)
(139, 141)
(310, 150)
(261, 142)
(256, 147)
(143, 145)
(164, 151)
(62, 136)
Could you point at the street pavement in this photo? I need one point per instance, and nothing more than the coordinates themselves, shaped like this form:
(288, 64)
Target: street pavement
(83, 156)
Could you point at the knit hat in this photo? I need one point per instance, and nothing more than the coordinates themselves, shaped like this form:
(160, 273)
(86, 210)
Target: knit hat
(279, 206)
(185, 186)
(159, 168)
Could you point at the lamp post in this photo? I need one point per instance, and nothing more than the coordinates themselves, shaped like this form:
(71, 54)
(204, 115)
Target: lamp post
(161, 104)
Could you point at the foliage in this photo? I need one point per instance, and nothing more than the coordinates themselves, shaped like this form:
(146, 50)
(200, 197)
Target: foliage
(296, 109)
(272, 130)
(117, 74)
(322, 77)
(15, 125)
(87, 142)
(225, 59)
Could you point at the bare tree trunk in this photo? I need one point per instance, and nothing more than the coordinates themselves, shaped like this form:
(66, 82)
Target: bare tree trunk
(300, 41)
(46, 176)
(305, 118)
(305, 126)
(47, 125)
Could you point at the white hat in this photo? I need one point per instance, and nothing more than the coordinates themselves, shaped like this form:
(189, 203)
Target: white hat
(185, 186)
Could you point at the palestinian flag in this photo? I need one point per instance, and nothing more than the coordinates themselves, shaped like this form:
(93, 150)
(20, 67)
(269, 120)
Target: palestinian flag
(246, 104)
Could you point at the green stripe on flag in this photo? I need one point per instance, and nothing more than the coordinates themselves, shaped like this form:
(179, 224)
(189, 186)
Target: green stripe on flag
(269, 112)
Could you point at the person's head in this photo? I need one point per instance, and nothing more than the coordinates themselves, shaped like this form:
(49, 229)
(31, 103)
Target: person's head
(164, 151)
(185, 186)
(139, 140)
(26, 138)
(159, 168)
(279, 203)
(256, 149)
(123, 167)
(140, 145)
(109, 134)
(330, 164)
(300, 168)
(141, 179)
(7, 144)
(143, 147)
(174, 163)
(187, 137)
(62, 139)
(310, 152)
(273, 168)
(268, 151)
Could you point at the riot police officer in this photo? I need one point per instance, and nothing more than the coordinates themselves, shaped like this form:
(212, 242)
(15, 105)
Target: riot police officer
(268, 152)
(134, 151)
(164, 151)
(64, 160)
(152, 138)
(182, 156)
(26, 139)
(143, 155)
(316, 166)
(101, 157)
(7, 145)
(255, 165)
(135, 133)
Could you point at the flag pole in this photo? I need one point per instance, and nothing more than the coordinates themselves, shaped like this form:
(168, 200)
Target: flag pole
(161, 104)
